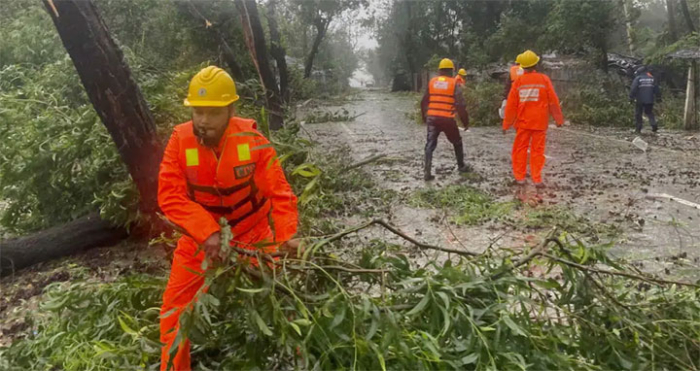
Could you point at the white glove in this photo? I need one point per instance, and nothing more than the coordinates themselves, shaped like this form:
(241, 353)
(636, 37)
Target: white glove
(502, 110)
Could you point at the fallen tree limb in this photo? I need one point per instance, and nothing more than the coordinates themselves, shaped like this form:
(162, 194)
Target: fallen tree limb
(395, 231)
(270, 258)
(527, 258)
(616, 273)
(364, 162)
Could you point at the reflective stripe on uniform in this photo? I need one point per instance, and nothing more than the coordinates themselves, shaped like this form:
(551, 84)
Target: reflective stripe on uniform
(192, 157)
(243, 152)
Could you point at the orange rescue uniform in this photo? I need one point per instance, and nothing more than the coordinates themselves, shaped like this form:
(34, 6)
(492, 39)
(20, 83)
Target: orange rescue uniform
(460, 80)
(530, 103)
(240, 180)
(515, 72)
(442, 97)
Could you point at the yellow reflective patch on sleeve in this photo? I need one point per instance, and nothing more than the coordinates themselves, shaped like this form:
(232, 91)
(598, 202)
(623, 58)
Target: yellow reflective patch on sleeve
(244, 152)
(192, 156)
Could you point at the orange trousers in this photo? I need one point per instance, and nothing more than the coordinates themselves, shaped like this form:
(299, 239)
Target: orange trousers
(535, 140)
(183, 285)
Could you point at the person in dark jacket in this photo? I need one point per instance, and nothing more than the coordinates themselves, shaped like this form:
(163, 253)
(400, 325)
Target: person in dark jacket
(443, 100)
(644, 92)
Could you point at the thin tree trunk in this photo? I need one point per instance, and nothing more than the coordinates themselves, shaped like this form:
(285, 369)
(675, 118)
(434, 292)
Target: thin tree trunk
(672, 26)
(277, 50)
(628, 26)
(228, 54)
(113, 92)
(690, 118)
(603, 57)
(255, 40)
(321, 28)
(686, 14)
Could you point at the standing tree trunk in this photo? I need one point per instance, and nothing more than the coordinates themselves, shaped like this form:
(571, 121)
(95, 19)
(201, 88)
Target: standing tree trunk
(690, 118)
(672, 26)
(688, 17)
(277, 50)
(113, 92)
(228, 54)
(122, 109)
(321, 25)
(255, 41)
(628, 26)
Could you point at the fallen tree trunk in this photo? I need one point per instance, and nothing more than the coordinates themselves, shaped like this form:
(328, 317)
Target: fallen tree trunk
(74, 237)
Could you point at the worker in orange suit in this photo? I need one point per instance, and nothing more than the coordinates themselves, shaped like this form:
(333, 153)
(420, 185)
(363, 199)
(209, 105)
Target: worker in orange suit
(442, 102)
(461, 76)
(514, 72)
(217, 165)
(530, 103)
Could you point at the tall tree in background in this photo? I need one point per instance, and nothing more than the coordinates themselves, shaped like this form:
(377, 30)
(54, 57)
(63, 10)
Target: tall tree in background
(277, 49)
(577, 25)
(687, 16)
(320, 14)
(626, 8)
(255, 41)
(228, 55)
(672, 26)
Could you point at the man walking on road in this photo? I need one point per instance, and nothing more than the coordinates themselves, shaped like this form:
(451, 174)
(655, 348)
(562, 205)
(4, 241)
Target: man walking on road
(461, 76)
(442, 101)
(530, 103)
(215, 166)
(645, 91)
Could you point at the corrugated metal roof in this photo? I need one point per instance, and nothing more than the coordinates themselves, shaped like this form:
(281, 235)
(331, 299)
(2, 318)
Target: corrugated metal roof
(686, 54)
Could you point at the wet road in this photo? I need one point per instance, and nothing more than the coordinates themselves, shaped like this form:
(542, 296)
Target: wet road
(652, 196)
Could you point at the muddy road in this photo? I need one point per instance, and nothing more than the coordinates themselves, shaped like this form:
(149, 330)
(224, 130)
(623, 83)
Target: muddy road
(651, 197)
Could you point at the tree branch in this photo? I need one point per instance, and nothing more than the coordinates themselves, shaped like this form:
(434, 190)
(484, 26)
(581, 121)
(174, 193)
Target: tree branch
(615, 273)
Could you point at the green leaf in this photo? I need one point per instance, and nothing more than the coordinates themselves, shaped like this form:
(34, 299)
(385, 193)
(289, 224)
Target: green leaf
(295, 327)
(303, 322)
(126, 328)
(420, 307)
(380, 357)
(251, 291)
(470, 359)
(513, 326)
(261, 324)
(338, 319)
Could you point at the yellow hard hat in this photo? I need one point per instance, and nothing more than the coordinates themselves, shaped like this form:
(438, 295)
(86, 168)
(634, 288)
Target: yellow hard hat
(517, 59)
(462, 72)
(446, 63)
(528, 59)
(211, 87)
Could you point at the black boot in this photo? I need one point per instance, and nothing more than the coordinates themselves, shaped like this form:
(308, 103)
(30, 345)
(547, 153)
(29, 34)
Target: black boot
(427, 175)
(459, 154)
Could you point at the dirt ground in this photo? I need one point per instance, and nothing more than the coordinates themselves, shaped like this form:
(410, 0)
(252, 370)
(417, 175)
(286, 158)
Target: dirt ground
(651, 196)
(22, 292)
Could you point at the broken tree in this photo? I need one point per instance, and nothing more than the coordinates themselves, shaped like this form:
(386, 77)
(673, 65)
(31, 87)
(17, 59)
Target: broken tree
(255, 41)
(121, 107)
(277, 50)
